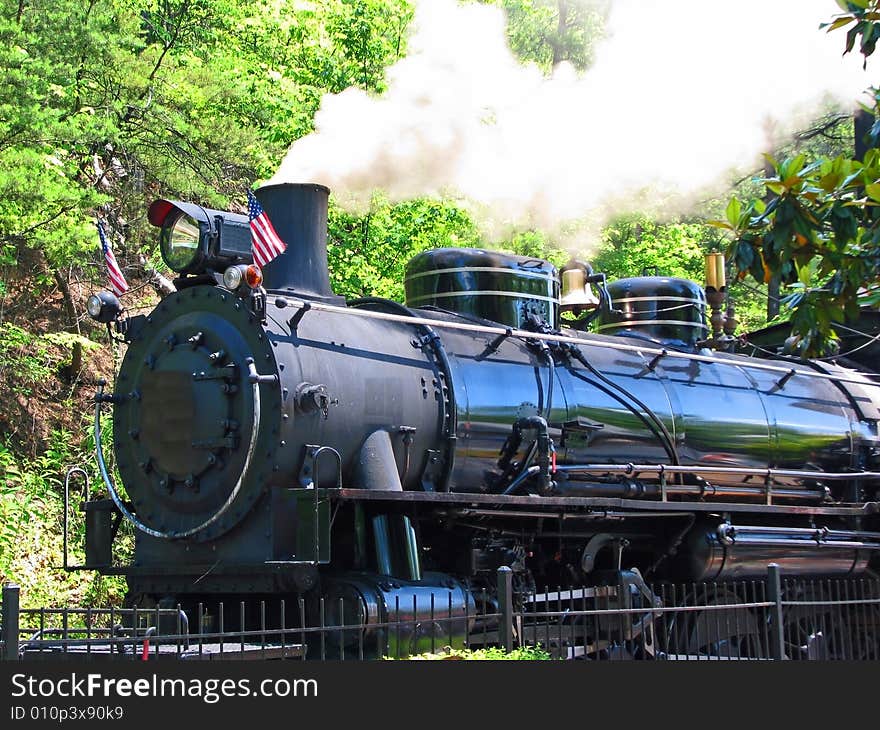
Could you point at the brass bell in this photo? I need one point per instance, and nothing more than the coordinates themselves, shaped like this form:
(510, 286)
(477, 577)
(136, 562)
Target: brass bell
(577, 295)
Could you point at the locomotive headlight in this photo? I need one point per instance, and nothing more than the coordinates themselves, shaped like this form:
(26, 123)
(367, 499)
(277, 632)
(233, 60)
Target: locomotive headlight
(196, 240)
(103, 307)
(179, 242)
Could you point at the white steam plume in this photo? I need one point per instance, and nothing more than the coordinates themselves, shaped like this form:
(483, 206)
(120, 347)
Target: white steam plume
(680, 93)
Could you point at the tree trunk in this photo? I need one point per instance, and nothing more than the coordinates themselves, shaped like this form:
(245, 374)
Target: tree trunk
(863, 121)
(558, 43)
(76, 355)
(773, 284)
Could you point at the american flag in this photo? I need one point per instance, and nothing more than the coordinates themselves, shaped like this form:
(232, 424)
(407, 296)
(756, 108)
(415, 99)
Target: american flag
(117, 280)
(265, 242)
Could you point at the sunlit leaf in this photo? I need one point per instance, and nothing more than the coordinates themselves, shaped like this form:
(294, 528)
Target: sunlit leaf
(733, 211)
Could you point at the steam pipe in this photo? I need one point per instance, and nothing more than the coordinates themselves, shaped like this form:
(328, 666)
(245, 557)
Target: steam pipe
(298, 213)
(733, 551)
(543, 446)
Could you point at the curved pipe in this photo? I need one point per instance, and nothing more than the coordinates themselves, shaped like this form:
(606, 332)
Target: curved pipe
(666, 438)
(174, 535)
(523, 475)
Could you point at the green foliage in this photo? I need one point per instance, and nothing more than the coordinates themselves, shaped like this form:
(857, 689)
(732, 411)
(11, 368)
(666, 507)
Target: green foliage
(26, 357)
(862, 18)
(815, 225)
(106, 105)
(522, 653)
(548, 32)
(819, 234)
(635, 244)
(29, 359)
(368, 252)
(19, 492)
(31, 548)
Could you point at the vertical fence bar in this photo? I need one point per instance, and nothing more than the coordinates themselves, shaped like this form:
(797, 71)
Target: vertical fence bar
(323, 626)
(283, 621)
(866, 633)
(361, 630)
(467, 620)
(849, 618)
(65, 629)
(302, 624)
(396, 628)
(585, 631)
(433, 624)
(449, 617)
(241, 624)
(342, 629)
(114, 646)
(505, 607)
(774, 590)
(560, 619)
(179, 630)
(546, 619)
(263, 629)
(10, 619)
(200, 611)
(220, 618)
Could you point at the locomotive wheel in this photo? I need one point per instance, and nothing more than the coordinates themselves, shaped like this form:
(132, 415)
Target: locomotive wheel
(714, 632)
(825, 631)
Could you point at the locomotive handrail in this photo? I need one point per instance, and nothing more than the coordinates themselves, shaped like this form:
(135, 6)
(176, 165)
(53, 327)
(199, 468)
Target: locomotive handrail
(66, 519)
(738, 471)
(524, 334)
(120, 504)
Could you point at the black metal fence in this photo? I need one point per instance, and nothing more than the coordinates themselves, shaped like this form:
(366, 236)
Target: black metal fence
(771, 619)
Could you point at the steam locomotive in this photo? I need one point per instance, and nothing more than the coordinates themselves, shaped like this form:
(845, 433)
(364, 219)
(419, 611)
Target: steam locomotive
(273, 439)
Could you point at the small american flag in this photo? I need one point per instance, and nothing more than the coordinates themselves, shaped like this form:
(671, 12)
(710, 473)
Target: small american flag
(117, 280)
(265, 242)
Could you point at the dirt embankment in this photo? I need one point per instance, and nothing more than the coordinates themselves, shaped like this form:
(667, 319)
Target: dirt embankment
(52, 355)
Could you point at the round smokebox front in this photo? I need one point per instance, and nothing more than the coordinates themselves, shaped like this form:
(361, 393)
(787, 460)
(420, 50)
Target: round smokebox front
(192, 435)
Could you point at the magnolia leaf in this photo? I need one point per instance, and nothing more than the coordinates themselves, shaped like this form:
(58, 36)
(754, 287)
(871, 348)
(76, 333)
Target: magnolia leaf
(734, 209)
(873, 191)
(839, 23)
(851, 38)
(829, 182)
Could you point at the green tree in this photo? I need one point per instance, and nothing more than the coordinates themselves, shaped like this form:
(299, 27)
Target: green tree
(368, 252)
(814, 225)
(634, 245)
(548, 32)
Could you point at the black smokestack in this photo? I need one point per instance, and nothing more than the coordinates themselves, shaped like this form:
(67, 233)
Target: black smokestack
(299, 214)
